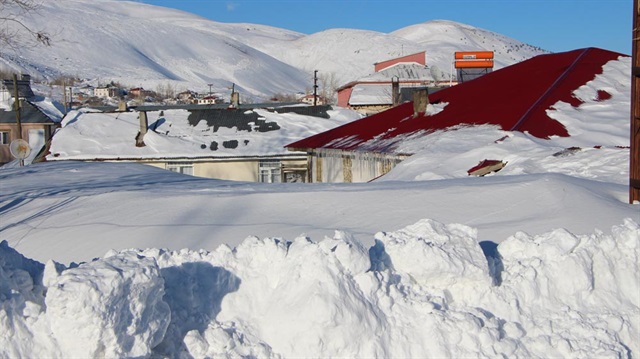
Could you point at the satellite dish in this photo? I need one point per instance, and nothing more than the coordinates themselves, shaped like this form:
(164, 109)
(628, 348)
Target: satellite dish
(20, 149)
(437, 74)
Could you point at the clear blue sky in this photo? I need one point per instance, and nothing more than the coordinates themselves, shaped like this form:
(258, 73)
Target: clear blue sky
(554, 25)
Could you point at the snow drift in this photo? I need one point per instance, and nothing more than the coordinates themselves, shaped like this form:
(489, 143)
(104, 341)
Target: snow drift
(427, 290)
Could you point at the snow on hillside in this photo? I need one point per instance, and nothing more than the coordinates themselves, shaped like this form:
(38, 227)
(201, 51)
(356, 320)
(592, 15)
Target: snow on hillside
(442, 38)
(143, 45)
(138, 44)
(347, 54)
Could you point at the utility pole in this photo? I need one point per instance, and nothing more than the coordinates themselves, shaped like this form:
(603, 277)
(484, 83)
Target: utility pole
(70, 98)
(634, 152)
(16, 105)
(64, 96)
(315, 88)
(210, 89)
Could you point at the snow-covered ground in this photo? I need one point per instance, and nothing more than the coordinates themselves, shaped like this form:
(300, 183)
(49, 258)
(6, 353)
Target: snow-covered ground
(538, 260)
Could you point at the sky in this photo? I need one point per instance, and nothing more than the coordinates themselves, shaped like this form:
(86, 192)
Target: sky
(538, 260)
(554, 25)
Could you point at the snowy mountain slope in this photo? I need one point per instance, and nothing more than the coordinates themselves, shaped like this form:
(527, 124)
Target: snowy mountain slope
(441, 38)
(144, 45)
(348, 54)
(138, 44)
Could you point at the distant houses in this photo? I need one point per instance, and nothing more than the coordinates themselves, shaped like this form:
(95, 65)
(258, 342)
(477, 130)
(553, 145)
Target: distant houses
(210, 100)
(187, 96)
(109, 91)
(314, 100)
(105, 95)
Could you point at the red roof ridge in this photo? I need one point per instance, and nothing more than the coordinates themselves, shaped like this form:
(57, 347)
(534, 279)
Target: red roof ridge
(551, 88)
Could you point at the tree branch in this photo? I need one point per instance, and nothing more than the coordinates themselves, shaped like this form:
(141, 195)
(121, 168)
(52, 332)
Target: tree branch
(12, 26)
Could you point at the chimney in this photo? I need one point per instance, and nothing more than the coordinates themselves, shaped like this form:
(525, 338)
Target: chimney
(420, 102)
(235, 99)
(395, 91)
(144, 124)
(122, 106)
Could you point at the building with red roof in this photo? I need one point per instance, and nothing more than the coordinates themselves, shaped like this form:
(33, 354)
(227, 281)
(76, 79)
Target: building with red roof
(515, 98)
(374, 93)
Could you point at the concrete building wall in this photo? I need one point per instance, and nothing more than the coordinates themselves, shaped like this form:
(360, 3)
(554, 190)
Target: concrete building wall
(234, 171)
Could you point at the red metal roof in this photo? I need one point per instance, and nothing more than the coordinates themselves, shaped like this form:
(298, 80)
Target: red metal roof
(515, 98)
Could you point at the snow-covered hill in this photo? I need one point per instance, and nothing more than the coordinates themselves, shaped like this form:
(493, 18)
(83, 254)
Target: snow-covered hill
(143, 45)
(441, 38)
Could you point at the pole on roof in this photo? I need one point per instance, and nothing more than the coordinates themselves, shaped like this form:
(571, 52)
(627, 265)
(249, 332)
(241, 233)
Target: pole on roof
(16, 105)
(634, 152)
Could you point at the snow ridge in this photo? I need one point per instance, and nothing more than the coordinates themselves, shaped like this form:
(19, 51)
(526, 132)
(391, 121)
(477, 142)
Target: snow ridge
(429, 289)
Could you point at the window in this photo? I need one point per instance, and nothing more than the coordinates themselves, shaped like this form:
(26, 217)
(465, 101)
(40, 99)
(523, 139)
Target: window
(4, 138)
(186, 168)
(270, 171)
(295, 176)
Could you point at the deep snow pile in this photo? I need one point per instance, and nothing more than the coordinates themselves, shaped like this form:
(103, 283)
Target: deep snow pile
(427, 290)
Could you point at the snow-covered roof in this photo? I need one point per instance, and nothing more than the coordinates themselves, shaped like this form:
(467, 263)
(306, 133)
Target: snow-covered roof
(29, 113)
(403, 71)
(521, 97)
(375, 89)
(370, 94)
(192, 134)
